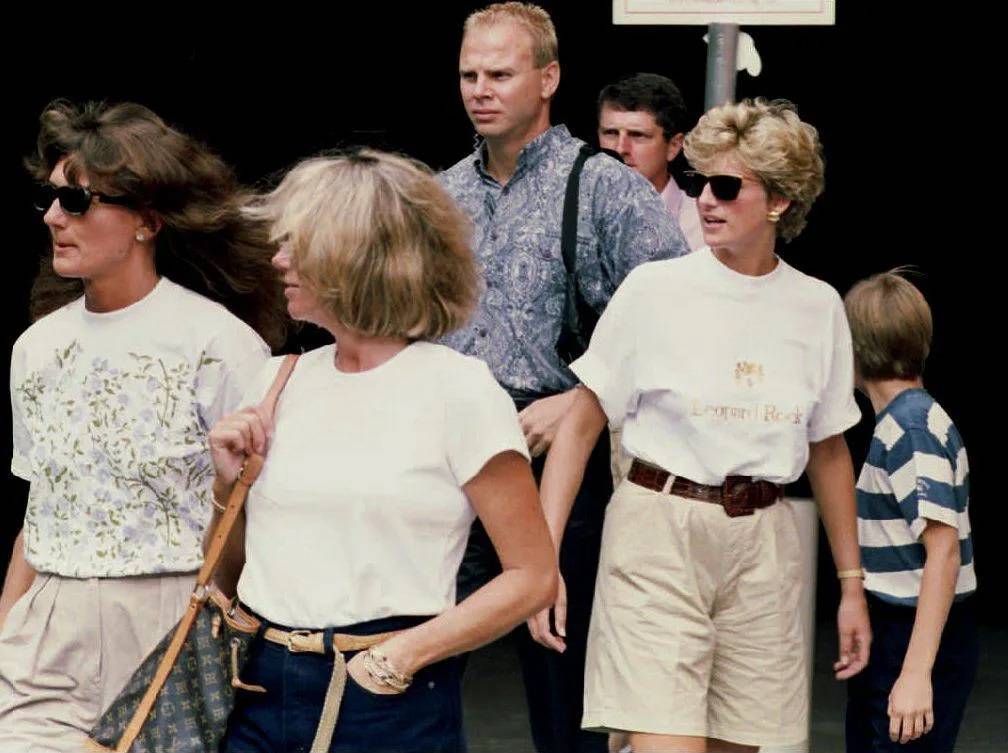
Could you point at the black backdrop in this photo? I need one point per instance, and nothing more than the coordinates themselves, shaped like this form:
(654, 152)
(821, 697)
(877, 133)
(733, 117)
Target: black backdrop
(890, 96)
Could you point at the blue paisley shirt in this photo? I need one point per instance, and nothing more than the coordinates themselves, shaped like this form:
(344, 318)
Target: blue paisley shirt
(622, 222)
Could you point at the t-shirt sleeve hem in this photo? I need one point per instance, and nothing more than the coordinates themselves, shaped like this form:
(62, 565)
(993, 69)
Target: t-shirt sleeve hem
(20, 468)
(593, 374)
(826, 429)
(472, 468)
(938, 513)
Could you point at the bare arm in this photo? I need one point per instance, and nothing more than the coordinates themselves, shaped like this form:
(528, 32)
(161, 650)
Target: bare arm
(231, 440)
(540, 420)
(831, 474)
(19, 578)
(504, 496)
(561, 480)
(911, 713)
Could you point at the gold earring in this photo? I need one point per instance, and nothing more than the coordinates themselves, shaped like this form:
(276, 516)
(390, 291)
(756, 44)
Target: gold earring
(773, 215)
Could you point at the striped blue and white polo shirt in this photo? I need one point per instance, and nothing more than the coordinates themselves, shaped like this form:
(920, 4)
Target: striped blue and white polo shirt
(916, 471)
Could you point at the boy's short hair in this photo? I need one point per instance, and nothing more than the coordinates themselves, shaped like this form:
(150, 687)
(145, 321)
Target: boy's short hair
(890, 325)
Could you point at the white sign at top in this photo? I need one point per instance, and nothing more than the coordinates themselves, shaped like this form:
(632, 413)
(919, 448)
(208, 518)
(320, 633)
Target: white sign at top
(703, 12)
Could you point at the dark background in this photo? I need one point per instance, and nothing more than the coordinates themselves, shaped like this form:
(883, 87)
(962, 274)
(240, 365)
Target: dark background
(892, 98)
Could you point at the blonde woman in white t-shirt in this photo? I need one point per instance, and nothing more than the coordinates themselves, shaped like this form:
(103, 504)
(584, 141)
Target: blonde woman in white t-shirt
(382, 450)
(730, 373)
(150, 311)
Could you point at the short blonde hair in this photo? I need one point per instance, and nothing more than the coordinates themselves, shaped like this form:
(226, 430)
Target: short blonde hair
(378, 240)
(890, 325)
(772, 142)
(531, 18)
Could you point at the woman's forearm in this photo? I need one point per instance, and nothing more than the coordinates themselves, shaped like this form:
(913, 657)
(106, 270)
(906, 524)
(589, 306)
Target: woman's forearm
(566, 461)
(489, 613)
(831, 474)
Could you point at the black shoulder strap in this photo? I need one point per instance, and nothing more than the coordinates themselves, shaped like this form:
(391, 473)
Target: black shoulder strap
(568, 226)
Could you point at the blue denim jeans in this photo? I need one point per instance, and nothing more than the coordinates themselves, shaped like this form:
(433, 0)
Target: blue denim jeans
(427, 718)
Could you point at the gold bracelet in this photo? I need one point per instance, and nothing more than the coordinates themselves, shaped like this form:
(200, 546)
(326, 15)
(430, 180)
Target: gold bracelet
(855, 573)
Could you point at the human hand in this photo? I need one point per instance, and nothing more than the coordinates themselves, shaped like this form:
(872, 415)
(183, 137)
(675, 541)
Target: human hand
(854, 633)
(540, 420)
(911, 712)
(234, 438)
(355, 669)
(539, 623)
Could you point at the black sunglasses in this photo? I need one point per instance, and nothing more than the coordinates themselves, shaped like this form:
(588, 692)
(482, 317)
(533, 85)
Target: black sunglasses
(74, 200)
(724, 187)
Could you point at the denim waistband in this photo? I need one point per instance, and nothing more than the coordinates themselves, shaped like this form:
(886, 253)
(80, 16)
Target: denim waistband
(368, 627)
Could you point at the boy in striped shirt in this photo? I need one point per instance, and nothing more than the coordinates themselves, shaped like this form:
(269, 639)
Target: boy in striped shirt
(914, 532)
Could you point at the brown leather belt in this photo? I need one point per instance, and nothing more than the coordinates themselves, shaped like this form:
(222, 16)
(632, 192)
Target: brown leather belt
(738, 495)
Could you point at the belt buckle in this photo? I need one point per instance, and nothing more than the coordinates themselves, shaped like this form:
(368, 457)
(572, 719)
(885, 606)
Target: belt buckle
(735, 499)
(298, 642)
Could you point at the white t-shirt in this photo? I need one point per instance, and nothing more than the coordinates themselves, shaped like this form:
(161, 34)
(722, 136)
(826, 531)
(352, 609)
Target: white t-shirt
(359, 511)
(714, 373)
(110, 415)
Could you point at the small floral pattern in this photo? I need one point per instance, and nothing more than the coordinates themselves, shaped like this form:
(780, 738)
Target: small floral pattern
(120, 471)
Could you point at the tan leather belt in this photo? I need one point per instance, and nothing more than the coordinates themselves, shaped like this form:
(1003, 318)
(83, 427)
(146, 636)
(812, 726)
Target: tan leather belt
(738, 495)
(307, 641)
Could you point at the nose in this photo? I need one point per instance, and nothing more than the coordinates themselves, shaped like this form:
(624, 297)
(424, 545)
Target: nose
(55, 216)
(481, 88)
(706, 197)
(623, 144)
(281, 259)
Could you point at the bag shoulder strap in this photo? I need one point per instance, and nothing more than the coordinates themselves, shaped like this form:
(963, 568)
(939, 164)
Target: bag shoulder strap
(246, 477)
(568, 225)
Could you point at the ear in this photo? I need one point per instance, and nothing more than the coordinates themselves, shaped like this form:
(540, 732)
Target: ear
(674, 146)
(150, 225)
(777, 203)
(550, 80)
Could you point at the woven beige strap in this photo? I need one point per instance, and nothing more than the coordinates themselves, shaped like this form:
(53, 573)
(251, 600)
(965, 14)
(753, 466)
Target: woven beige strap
(305, 641)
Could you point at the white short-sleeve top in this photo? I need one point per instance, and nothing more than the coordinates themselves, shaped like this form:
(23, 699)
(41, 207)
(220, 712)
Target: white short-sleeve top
(359, 512)
(110, 414)
(713, 373)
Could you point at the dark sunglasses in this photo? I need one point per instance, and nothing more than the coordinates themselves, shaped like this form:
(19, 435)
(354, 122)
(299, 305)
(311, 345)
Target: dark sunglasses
(724, 187)
(74, 200)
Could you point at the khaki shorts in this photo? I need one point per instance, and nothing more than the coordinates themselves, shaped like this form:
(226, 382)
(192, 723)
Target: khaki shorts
(69, 645)
(695, 627)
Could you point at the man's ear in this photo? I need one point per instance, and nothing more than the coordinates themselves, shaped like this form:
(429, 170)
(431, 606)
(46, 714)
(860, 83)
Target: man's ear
(674, 146)
(550, 79)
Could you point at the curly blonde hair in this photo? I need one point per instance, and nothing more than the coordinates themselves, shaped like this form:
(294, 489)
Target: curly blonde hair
(773, 143)
(378, 240)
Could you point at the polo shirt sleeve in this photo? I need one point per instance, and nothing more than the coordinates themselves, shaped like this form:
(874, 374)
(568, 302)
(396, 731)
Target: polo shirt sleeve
(608, 367)
(480, 421)
(836, 410)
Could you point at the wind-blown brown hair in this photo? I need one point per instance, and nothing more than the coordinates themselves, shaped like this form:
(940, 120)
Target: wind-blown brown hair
(205, 242)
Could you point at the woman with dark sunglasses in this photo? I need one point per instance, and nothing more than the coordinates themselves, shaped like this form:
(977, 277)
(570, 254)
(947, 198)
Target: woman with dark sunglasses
(730, 372)
(150, 313)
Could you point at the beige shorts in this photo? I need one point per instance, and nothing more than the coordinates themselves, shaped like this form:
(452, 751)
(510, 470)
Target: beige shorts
(695, 628)
(69, 645)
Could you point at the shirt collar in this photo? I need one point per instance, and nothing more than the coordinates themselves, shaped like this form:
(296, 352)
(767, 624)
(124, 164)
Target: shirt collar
(531, 154)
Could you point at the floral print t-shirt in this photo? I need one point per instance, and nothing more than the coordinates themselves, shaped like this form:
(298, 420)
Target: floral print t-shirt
(110, 413)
